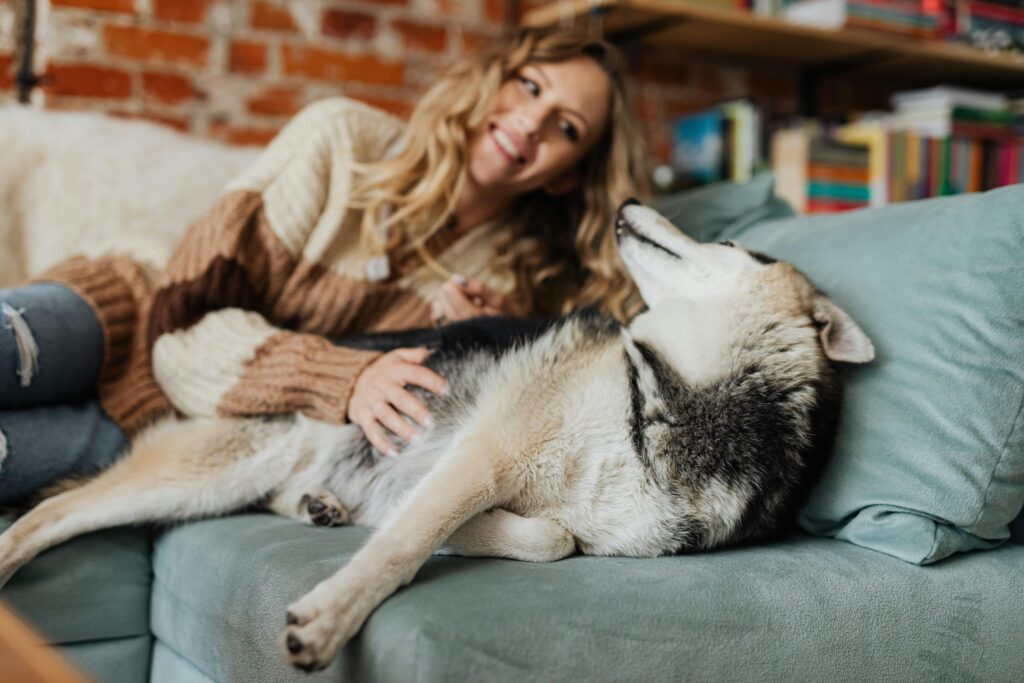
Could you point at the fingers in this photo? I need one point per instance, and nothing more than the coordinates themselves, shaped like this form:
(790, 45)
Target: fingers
(389, 417)
(407, 404)
(480, 293)
(425, 378)
(454, 304)
(414, 355)
(375, 435)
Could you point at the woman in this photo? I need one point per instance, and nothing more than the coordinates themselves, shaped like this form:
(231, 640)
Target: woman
(497, 197)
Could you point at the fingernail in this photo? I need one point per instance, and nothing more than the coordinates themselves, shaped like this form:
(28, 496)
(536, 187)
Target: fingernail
(391, 452)
(429, 422)
(459, 279)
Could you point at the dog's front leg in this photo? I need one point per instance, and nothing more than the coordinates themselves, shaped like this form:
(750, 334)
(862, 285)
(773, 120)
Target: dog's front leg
(474, 477)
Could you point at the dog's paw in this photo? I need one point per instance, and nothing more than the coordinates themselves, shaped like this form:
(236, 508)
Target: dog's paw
(322, 508)
(313, 636)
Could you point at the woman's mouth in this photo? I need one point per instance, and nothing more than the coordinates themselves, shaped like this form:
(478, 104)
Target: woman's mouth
(506, 145)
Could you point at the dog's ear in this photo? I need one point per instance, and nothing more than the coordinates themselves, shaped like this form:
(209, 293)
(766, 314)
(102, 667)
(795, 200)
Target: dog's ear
(841, 338)
(565, 183)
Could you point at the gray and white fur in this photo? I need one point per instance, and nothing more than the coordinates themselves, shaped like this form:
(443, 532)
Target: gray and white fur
(698, 425)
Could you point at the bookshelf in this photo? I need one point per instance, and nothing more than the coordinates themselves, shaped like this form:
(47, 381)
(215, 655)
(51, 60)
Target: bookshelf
(700, 29)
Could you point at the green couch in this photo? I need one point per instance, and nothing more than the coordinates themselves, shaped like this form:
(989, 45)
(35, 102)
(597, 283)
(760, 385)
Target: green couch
(205, 601)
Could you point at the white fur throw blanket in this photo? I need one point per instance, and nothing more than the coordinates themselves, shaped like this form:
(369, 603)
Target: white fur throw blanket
(88, 183)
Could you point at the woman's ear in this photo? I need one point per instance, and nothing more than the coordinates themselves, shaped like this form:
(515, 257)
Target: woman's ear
(565, 183)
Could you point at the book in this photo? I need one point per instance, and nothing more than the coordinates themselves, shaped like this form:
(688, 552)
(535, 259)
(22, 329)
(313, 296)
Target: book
(697, 146)
(945, 96)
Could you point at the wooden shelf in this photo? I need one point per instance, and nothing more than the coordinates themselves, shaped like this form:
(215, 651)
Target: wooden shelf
(730, 33)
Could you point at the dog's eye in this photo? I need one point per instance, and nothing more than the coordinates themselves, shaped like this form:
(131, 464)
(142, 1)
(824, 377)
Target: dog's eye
(727, 243)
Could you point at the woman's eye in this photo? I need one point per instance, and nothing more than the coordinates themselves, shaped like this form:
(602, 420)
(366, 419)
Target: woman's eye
(570, 131)
(530, 86)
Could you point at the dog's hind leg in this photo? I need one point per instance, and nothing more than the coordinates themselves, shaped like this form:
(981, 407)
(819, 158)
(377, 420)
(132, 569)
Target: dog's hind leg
(476, 475)
(500, 533)
(177, 470)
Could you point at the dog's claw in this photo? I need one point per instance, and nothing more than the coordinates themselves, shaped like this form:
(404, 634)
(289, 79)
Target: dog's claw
(294, 644)
(291, 619)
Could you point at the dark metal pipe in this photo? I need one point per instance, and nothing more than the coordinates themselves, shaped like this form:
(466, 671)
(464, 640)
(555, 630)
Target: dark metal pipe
(26, 78)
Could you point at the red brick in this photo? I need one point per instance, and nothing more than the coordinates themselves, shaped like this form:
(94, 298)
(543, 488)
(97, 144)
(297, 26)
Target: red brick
(167, 88)
(399, 108)
(155, 46)
(247, 57)
(122, 6)
(422, 36)
(84, 80)
(6, 72)
(190, 11)
(275, 102)
(242, 135)
(473, 41)
(271, 17)
(340, 24)
(328, 65)
(494, 10)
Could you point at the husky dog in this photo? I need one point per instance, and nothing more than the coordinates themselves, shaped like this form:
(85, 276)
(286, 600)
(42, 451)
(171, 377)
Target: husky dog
(696, 426)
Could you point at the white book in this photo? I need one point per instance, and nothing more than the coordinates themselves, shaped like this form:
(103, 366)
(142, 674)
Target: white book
(819, 13)
(945, 96)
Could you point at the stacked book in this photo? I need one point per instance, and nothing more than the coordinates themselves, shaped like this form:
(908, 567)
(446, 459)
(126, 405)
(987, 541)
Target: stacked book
(915, 18)
(818, 173)
(936, 142)
(837, 176)
(948, 140)
(993, 24)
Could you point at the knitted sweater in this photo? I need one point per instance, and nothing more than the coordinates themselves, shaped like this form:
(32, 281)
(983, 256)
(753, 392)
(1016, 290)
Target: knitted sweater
(240, 321)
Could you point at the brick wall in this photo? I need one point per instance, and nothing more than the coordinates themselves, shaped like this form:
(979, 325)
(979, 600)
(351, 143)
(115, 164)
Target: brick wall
(236, 70)
(6, 49)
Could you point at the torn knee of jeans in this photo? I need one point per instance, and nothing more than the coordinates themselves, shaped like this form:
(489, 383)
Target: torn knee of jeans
(28, 351)
(3, 449)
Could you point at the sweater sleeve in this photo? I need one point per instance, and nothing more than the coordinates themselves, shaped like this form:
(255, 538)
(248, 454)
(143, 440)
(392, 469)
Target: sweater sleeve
(227, 335)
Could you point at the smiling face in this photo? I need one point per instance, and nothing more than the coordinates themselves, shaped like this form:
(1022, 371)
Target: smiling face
(542, 122)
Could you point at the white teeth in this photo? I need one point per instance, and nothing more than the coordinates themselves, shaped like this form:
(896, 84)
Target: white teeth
(506, 144)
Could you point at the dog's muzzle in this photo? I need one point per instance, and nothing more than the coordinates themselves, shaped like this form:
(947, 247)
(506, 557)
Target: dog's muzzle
(621, 223)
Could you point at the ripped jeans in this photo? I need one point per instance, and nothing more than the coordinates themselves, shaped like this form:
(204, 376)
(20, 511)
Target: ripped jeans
(51, 424)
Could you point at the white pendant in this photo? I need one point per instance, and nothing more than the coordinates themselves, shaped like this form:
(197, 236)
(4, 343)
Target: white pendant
(378, 269)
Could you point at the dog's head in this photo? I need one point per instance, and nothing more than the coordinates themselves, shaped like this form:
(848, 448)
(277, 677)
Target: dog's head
(714, 297)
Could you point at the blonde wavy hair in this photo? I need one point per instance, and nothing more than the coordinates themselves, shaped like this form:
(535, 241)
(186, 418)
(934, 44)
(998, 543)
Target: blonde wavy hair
(559, 250)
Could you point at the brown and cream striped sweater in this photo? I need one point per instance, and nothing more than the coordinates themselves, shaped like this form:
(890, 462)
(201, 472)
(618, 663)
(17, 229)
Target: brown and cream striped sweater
(240, 320)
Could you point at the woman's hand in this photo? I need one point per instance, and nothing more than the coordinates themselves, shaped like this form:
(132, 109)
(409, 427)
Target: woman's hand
(380, 399)
(462, 298)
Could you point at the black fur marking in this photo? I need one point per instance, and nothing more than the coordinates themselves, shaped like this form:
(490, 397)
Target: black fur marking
(637, 423)
(495, 335)
(762, 258)
(742, 431)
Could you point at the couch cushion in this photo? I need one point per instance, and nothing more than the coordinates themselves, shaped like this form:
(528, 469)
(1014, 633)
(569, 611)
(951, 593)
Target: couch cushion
(707, 211)
(118, 660)
(93, 587)
(804, 609)
(930, 453)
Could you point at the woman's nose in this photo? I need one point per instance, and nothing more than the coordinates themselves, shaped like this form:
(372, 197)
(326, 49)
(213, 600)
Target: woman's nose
(532, 117)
